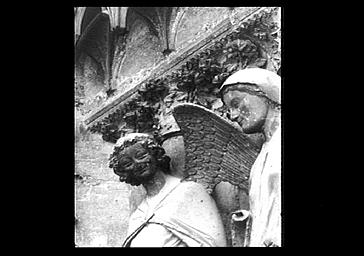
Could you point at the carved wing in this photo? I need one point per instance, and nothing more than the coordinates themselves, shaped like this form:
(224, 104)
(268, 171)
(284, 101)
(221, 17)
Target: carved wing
(216, 150)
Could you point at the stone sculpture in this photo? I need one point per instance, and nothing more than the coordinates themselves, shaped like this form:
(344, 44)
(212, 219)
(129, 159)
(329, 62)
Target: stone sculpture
(254, 101)
(175, 213)
(221, 151)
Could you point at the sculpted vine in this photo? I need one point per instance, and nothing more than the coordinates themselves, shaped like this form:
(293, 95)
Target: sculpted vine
(198, 80)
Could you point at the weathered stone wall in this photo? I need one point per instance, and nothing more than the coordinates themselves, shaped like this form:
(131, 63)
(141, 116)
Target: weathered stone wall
(89, 84)
(197, 23)
(101, 201)
(143, 50)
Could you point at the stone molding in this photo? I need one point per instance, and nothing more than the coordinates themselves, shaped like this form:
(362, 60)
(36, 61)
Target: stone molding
(192, 76)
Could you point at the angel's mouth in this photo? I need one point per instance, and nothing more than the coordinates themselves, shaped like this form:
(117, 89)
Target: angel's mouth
(142, 171)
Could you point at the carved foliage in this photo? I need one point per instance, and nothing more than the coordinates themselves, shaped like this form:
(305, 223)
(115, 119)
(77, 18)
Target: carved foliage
(198, 80)
(136, 115)
(250, 44)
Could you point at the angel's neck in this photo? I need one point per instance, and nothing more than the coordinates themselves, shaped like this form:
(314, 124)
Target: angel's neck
(154, 186)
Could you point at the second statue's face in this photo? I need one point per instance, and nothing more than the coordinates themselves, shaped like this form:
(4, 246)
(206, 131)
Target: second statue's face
(136, 165)
(248, 110)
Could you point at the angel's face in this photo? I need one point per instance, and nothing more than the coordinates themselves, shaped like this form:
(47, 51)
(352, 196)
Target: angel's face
(136, 165)
(248, 110)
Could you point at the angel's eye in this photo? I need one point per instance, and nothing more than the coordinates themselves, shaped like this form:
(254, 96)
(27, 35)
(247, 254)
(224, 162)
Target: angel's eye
(126, 164)
(142, 155)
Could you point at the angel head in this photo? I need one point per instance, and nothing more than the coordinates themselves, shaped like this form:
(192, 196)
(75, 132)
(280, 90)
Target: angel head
(251, 94)
(137, 157)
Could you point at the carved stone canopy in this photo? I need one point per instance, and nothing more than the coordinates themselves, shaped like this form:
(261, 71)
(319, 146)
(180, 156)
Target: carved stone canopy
(193, 76)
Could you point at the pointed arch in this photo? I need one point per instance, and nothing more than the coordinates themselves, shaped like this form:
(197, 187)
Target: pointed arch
(89, 15)
(146, 14)
(158, 20)
(94, 39)
(117, 16)
(175, 19)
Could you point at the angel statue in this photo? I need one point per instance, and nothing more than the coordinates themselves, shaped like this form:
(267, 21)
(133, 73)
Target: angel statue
(218, 150)
(174, 213)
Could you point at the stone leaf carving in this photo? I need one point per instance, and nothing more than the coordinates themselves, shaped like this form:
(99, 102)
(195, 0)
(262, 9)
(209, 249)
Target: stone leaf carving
(140, 114)
(198, 80)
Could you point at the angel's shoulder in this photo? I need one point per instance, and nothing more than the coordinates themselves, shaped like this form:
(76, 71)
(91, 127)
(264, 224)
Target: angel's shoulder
(190, 185)
(192, 189)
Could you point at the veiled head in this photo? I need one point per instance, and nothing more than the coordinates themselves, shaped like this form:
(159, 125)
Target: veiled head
(249, 94)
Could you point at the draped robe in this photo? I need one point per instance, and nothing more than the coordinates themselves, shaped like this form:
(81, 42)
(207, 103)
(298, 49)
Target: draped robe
(265, 194)
(183, 214)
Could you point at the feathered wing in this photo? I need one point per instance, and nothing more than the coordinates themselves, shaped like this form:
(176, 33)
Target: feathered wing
(215, 149)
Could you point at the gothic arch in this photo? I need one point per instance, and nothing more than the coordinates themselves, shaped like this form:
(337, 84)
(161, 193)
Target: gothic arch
(160, 21)
(176, 17)
(92, 50)
(88, 16)
(144, 42)
(117, 16)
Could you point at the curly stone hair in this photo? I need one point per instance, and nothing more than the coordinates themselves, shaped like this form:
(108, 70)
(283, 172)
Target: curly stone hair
(148, 142)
